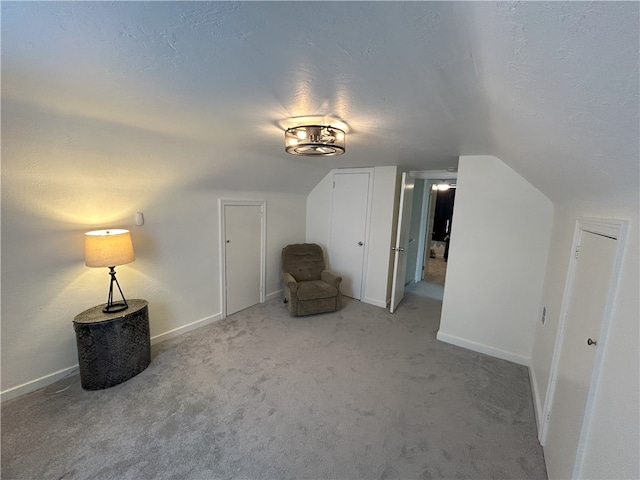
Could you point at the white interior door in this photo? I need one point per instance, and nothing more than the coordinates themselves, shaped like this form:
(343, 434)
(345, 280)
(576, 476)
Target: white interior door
(583, 325)
(349, 214)
(402, 241)
(242, 256)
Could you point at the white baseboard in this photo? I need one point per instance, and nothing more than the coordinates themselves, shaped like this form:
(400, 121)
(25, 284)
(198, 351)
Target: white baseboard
(375, 302)
(482, 348)
(37, 384)
(537, 403)
(273, 295)
(176, 332)
(42, 382)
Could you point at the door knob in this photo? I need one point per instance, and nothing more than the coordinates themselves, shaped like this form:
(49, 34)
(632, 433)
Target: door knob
(360, 243)
(591, 342)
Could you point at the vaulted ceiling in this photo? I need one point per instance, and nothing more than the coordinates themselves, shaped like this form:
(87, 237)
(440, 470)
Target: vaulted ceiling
(197, 93)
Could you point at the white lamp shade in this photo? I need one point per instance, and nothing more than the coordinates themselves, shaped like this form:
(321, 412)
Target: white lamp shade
(108, 248)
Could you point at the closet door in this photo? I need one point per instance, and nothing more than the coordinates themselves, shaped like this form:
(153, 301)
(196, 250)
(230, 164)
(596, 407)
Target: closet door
(243, 247)
(349, 215)
(593, 268)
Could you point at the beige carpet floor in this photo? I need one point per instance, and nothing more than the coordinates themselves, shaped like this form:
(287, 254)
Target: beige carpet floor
(357, 394)
(436, 271)
(433, 284)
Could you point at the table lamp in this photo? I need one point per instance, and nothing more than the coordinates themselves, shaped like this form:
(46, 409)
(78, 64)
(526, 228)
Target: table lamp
(109, 248)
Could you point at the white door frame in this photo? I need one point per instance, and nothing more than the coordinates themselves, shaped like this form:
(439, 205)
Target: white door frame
(367, 228)
(422, 233)
(223, 247)
(612, 228)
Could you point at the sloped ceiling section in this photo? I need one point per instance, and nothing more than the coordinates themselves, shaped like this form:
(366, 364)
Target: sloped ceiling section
(195, 93)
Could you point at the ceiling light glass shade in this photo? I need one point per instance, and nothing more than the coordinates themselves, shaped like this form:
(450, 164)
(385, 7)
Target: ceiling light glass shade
(108, 248)
(314, 141)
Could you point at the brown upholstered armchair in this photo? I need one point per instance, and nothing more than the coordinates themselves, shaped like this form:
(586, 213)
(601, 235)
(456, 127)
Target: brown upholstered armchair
(308, 287)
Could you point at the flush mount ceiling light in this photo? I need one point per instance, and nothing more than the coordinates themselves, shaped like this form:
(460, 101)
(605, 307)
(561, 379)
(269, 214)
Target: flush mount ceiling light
(314, 140)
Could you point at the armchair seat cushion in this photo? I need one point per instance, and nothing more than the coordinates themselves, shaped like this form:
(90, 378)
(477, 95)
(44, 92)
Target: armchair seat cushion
(315, 289)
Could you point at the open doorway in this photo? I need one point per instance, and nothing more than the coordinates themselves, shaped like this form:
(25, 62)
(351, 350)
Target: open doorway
(430, 233)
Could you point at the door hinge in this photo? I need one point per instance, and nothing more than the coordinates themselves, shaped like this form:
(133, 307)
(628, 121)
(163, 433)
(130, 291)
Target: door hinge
(577, 251)
(334, 184)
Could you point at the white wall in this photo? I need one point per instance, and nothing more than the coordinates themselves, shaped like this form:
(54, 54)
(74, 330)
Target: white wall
(177, 269)
(319, 212)
(499, 242)
(65, 172)
(612, 444)
(380, 233)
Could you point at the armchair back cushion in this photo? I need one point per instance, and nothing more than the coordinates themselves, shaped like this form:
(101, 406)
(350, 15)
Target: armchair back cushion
(308, 288)
(304, 261)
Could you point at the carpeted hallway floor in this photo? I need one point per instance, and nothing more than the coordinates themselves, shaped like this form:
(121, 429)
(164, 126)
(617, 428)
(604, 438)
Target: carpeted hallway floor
(360, 394)
(433, 284)
(436, 271)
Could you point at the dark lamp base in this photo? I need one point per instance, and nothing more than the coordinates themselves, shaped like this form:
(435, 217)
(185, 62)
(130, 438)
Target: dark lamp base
(115, 307)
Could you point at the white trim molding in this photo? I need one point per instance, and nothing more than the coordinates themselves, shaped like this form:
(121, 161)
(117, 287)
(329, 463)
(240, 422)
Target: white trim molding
(38, 383)
(537, 401)
(482, 348)
(46, 380)
(176, 332)
(434, 174)
(375, 302)
(272, 295)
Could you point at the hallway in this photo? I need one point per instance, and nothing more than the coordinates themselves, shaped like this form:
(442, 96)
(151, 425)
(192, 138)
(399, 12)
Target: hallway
(433, 284)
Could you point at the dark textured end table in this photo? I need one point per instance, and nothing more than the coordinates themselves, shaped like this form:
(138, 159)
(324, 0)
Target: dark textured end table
(112, 347)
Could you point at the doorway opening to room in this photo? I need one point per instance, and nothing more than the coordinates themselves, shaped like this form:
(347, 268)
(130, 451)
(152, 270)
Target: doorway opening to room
(430, 234)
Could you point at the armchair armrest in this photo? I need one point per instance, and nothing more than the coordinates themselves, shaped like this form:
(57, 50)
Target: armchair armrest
(289, 281)
(331, 278)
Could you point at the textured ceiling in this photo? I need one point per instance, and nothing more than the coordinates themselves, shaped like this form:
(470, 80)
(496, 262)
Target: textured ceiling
(197, 92)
